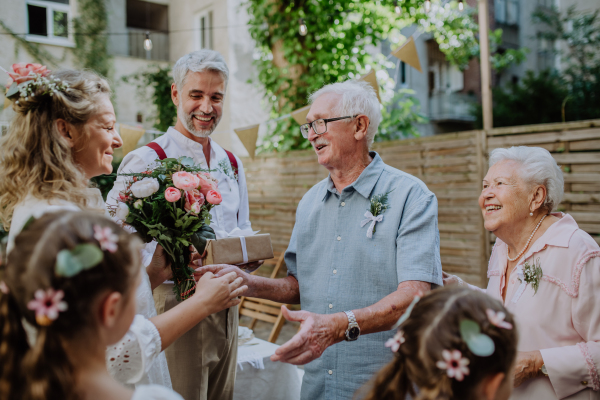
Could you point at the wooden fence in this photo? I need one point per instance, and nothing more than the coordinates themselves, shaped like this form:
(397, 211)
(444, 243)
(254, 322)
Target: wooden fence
(452, 166)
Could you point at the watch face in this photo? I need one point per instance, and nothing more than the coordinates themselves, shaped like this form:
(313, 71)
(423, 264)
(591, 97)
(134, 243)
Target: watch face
(353, 333)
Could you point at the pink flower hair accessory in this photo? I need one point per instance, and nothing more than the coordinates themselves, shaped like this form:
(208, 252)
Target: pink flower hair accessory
(29, 80)
(47, 304)
(497, 319)
(4, 287)
(454, 364)
(395, 342)
(107, 238)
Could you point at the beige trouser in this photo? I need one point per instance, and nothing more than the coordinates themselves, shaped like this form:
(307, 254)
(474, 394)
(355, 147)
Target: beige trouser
(202, 362)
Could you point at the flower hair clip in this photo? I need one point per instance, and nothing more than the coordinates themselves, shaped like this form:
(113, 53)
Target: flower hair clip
(395, 342)
(29, 80)
(47, 304)
(83, 256)
(4, 288)
(455, 364)
(497, 319)
(107, 238)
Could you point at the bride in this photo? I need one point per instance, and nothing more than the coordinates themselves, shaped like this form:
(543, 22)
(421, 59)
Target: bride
(63, 133)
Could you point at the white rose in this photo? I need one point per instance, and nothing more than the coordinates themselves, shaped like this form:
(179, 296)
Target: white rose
(122, 211)
(144, 188)
(138, 204)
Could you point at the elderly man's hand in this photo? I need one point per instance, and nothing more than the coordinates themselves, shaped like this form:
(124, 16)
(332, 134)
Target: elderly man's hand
(528, 366)
(317, 332)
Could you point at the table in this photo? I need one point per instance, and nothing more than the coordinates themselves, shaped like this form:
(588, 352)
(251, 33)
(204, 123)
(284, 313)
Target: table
(260, 378)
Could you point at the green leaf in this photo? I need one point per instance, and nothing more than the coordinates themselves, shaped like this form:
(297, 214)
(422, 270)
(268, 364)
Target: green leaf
(479, 343)
(82, 257)
(12, 90)
(187, 162)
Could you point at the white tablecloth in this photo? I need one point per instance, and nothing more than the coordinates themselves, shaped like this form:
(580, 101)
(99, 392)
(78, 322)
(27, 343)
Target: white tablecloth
(261, 379)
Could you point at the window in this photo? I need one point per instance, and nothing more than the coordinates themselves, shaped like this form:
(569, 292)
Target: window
(546, 54)
(48, 21)
(507, 11)
(204, 37)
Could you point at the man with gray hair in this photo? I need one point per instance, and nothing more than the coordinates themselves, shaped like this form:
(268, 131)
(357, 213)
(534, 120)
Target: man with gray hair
(202, 362)
(365, 243)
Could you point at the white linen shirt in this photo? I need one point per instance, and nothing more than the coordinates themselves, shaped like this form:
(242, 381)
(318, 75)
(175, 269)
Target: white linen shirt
(234, 210)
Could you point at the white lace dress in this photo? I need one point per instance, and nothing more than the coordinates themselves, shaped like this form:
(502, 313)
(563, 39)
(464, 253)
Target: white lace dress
(137, 358)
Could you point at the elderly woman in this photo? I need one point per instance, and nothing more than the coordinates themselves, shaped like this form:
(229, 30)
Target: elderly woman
(547, 272)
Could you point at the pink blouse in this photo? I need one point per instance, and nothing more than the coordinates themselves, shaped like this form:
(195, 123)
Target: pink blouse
(562, 319)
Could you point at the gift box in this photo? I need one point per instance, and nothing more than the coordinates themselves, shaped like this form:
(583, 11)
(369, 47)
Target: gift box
(238, 250)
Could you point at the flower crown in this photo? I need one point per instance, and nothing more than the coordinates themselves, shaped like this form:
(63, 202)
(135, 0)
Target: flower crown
(480, 344)
(28, 80)
(47, 304)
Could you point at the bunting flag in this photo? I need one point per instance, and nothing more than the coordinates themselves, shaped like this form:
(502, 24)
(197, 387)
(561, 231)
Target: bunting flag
(7, 103)
(131, 136)
(300, 114)
(408, 53)
(248, 136)
(371, 79)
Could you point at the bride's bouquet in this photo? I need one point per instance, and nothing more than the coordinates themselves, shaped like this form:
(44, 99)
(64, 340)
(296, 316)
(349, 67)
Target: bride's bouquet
(171, 204)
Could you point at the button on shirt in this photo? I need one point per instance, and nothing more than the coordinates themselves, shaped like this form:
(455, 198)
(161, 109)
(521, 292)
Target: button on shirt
(327, 236)
(233, 212)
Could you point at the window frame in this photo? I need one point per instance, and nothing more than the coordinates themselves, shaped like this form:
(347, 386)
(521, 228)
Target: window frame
(50, 7)
(199, 34)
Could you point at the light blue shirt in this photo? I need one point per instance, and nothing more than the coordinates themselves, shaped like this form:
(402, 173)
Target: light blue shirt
(339, 269)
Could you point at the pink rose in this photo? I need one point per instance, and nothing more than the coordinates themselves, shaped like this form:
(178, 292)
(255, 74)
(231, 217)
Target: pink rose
(195, 209)
(185, 181)
(207, 182)
(214, 197)
(172, 194)
(24, 72)
(193, 197)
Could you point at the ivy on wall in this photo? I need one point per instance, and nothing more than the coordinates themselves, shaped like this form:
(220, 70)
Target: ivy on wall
(38, 53)
(91, 42)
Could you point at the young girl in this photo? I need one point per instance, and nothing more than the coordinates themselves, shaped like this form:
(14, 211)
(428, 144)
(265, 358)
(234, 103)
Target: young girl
(72, 276)
(456, 344)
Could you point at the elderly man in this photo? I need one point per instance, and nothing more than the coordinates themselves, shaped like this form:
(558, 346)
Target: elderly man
(202, 362)
(352, 281)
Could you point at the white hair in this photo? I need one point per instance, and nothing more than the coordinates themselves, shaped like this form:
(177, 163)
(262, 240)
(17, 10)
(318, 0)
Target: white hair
(358, 97)
(199, 61)
(539, 168)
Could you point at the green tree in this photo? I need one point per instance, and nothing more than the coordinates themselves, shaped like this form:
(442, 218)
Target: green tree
(291, 66)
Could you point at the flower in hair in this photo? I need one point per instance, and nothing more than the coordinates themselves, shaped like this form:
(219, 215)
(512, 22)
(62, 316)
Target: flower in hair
(83, 256)
(395, 342)
(30, 80)
(497, 319)
(107, 238)
(454, 364)
(4, 287)
(47, 304)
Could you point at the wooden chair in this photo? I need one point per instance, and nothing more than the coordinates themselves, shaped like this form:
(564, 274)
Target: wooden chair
(265, 310)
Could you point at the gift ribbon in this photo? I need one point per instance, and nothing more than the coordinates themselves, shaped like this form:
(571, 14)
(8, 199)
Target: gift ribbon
(373, 220)
(244, 252)
(523, 285)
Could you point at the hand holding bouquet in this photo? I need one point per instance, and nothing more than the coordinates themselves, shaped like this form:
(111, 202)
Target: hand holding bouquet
(171, 204)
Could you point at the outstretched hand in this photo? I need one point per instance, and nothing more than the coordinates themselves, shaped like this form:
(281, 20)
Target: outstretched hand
(317, 332)
(219, 293)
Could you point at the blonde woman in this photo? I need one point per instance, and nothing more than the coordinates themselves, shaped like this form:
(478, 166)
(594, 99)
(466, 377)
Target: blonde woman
(60, 137)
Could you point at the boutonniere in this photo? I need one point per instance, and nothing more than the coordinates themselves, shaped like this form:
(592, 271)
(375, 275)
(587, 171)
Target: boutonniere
(532, 274)
(379, 203)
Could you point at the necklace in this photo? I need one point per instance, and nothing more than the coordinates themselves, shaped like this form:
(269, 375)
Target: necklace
(526, 245)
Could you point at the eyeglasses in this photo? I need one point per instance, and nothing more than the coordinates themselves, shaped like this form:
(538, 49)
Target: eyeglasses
(320, 125)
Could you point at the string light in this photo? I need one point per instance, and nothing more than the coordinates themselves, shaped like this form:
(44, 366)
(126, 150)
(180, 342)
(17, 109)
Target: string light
(397, 8)
(427, 6)
(303, 28)
(461, 6)
(147, 42)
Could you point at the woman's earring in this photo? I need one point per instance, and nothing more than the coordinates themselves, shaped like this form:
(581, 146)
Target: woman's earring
(531, 214)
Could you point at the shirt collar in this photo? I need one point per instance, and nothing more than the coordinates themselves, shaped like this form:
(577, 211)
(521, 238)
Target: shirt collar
(181, 139)
(365, 182)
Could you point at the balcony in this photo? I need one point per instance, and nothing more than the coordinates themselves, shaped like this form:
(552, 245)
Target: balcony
(451, 106)
(160, 44)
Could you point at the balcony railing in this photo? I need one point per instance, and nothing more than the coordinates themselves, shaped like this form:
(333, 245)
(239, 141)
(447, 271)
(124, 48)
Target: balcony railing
(451, 106)
(160, 45)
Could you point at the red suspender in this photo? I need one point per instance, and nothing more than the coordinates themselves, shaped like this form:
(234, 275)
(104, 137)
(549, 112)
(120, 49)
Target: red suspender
(233, 162)
(159, 150)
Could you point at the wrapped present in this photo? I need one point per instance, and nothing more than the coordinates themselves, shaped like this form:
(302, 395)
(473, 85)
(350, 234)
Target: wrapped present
(238, 250)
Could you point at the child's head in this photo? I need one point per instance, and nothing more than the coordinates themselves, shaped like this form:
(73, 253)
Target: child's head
(438, 347)
(72, 276)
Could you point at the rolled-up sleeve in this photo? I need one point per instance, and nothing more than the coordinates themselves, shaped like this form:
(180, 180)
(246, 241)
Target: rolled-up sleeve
(574, 368)
(418, 242)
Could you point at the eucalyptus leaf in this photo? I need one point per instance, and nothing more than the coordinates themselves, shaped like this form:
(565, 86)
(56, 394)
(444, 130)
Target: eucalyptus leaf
(187, 162)
(83, 256)
(12, 90)
(479, 343)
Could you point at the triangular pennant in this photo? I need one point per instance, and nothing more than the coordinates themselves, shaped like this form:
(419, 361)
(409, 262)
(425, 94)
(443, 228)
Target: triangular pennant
(371, 79)
(131, 136)
(300, 115)
(7, 103)
(248, 136)
(408, 53)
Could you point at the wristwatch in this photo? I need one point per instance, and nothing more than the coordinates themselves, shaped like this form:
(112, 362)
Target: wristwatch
(353, 331)
(543, 370)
